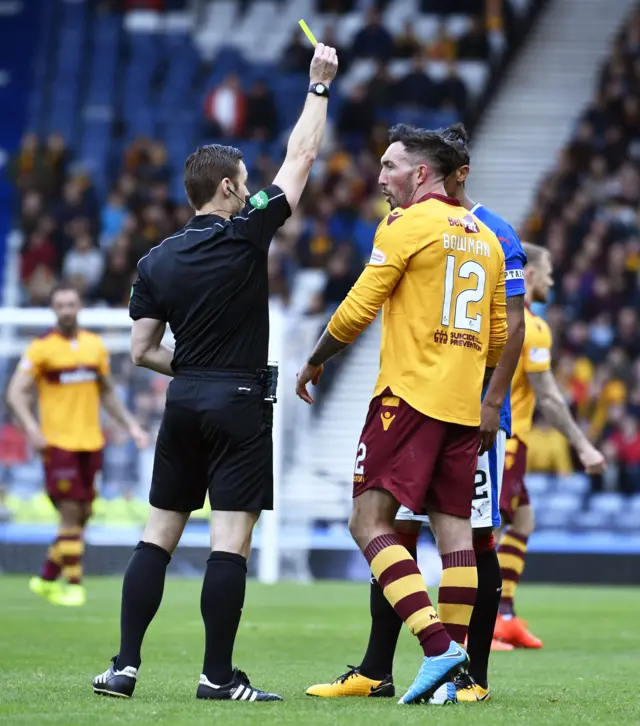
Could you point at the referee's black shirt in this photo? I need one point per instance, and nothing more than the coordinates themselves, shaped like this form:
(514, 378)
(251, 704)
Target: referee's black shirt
(209, 282)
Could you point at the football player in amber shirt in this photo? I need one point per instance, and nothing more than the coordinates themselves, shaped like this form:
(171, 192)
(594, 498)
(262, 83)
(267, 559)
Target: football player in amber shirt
(438, 274)
(533, 383)
(69, 368)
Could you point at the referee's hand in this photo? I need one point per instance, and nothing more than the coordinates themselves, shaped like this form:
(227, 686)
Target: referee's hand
(308, 374)
(324, 64)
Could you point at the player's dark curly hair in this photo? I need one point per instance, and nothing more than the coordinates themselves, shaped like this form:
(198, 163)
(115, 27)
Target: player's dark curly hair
(206, 168)
(431, 146)
(456, 135)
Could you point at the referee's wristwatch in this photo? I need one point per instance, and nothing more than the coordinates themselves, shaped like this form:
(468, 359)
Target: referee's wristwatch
(319, 89)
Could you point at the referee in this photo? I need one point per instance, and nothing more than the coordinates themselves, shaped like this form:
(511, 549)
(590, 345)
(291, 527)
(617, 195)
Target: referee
(209, 283)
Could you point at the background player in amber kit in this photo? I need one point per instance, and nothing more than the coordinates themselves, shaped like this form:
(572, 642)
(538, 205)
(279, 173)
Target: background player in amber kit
(70, 369)
(438, 274)
(533, 383)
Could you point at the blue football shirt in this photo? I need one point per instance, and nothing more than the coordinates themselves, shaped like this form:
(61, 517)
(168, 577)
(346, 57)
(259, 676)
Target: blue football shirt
(515, 260)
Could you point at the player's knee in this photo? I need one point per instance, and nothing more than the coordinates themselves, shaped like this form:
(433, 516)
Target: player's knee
(71, 514)
(359, 529)
(452, 533)
(524, 521)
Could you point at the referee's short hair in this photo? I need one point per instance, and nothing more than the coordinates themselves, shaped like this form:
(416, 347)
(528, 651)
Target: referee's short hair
(206, 168)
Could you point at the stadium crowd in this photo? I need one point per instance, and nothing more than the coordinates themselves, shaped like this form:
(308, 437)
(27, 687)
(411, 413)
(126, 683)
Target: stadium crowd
(587, 212)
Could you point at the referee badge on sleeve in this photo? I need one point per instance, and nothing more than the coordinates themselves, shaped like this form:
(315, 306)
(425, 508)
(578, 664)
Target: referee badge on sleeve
(259, 200)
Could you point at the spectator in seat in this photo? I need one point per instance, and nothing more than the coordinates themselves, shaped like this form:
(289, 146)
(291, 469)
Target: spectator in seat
(373, 40)
(153, 166)
(336, 6)
(443, 46)
(55, 159)
(625, 444)
(627, 332)
(83, 265)
(453, 91)
(381, 90)
(341, 276)
(116, 281)
(357, 113)
(40, 286)
(31, 210)
(225, 108)
(262, 115)
(112, 218)
(38, 251)
(25, 166)
(416, 88)
(76, 202)
(474, 45)
(297, 56)
(315, 245)
(365, 229)
(407, 43)
(329, 38)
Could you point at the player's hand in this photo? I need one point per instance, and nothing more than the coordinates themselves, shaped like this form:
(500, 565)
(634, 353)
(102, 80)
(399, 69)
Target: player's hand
(324, 64)
(139, 436)
(308, 374)
(489, 425)
(592, 460)
(37, 440)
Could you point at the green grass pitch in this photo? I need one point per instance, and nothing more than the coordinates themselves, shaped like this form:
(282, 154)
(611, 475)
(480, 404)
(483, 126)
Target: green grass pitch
(294, 635)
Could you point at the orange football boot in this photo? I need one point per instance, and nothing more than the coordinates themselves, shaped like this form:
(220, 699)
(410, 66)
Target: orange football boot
(496, 645)
(514, 632)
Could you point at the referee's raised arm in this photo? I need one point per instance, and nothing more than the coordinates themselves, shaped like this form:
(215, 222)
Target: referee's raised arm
(306, 137)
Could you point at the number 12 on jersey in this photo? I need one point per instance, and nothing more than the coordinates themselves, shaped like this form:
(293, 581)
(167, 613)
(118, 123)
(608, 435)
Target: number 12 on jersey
(461, 317)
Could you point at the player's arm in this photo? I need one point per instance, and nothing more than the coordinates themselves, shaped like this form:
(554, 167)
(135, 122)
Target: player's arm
(498, 335)
(19, 399)
(119, 413)
(147, 350)
(500, 376)
(306, 137)
(391, 253)
(113, 405)
(551, 402)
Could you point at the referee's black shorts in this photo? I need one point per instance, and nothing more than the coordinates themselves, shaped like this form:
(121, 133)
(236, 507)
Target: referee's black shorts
(215, 436)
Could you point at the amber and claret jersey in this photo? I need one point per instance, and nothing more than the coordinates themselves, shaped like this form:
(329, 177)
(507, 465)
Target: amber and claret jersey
(535, 357)
(438, 274)
(67, 373)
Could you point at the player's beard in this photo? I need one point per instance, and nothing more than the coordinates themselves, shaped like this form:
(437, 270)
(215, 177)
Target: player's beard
(405, 195)
(68, 325)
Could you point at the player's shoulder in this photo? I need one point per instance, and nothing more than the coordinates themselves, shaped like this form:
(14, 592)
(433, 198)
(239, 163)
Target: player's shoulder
(43, 341)
(536, 328)
(88, 337)
(503, 230)
(397, 224)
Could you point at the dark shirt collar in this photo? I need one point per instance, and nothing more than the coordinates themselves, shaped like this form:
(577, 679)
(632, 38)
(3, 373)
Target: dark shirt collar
(202, 221)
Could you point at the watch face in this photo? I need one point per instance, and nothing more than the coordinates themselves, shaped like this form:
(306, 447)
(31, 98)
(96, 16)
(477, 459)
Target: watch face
(319, 87)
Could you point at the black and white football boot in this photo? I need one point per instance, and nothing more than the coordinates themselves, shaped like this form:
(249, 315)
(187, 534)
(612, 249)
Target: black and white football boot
(238, 689)
(120, 684)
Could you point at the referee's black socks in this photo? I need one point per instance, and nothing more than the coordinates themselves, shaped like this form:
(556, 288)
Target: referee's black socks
(221, 606)
(485, 610)
(142, 590)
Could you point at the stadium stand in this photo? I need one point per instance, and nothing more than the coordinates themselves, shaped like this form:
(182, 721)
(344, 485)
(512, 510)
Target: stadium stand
(100, 182)
(586, 213)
